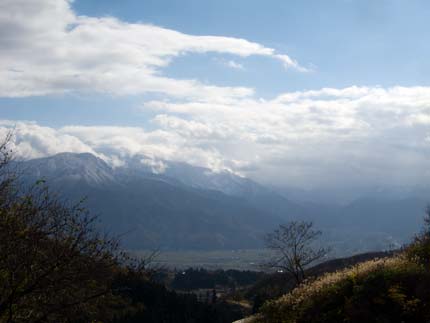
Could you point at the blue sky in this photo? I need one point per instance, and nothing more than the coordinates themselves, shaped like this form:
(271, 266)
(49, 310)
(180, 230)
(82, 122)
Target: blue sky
(297, 91)
(345, 42)
(366, 42)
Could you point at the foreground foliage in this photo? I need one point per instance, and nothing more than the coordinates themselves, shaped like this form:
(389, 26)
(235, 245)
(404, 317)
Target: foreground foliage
(385, 290)
(55, 266)
(391, 289)
(149, 302)
(274, 286)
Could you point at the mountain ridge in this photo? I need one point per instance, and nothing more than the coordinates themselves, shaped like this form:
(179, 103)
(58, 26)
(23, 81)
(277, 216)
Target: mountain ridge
(187, 207)
(157, 211)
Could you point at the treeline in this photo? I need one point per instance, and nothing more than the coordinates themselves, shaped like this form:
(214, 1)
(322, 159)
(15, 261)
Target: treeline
(147, 301)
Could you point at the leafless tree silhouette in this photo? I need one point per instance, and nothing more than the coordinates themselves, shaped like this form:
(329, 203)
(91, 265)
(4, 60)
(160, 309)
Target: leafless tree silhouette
(293, 246)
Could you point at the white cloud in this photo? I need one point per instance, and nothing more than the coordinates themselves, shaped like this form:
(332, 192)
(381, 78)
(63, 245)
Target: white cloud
(157, 166)
(234, 65)
(291, 63)
(45, 48)
(33, 141)
(323, 137)
(354, 136)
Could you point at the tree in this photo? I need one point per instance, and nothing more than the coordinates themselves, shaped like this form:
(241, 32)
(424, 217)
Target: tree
(419, 249)
(293, 246)
(54, 265)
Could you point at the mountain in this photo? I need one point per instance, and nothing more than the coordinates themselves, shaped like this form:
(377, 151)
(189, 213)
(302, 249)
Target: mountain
(402, 217)
(200, 178)
(70, 168)
(172, 205)
(163, 210)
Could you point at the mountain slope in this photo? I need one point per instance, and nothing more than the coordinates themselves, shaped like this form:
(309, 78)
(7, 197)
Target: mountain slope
(179, 206)
(155, 211)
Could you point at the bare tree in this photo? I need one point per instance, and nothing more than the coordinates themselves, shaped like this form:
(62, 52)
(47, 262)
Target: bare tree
(54, 265)
(293, 245)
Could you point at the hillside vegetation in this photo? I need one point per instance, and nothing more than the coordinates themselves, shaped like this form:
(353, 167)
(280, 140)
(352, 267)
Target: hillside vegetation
(390, 289)
(273, 286)
(55, 266)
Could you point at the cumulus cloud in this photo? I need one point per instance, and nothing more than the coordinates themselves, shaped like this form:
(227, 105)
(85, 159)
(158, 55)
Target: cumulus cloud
(329, 137)
(46, 48)
(311, 138)
(31, 140)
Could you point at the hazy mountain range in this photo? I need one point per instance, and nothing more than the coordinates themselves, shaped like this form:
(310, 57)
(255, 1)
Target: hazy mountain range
(179, 206)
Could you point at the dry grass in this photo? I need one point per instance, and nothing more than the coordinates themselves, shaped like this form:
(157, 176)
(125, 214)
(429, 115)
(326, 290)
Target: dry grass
(286, 308)
(312, 288)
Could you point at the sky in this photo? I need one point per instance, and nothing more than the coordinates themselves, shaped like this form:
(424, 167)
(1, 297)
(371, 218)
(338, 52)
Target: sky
(302, 93)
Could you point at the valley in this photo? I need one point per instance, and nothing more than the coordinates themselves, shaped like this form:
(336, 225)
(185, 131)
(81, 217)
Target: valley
(195, 210)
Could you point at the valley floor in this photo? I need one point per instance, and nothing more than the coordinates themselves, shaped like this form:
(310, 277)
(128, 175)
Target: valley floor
(242, 259)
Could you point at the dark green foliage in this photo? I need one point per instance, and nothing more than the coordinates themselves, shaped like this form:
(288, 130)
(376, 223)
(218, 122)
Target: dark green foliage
(270, 287)
(150, 302)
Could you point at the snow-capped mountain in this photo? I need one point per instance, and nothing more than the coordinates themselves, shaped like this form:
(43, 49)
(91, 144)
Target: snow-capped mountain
(71, 167)
(175, 205)
(170, 210)
(193, 176)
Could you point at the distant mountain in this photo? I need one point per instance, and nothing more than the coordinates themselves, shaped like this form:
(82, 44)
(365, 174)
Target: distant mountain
(70, 168)
(174, 205)
(178, 173)
(401, 217)
(166, 210)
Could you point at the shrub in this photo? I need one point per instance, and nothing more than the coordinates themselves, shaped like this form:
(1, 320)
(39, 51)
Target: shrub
(382, 290)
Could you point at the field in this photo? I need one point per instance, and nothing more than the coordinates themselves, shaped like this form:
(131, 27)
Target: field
(244, 259)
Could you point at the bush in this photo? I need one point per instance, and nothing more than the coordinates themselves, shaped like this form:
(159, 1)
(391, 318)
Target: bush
(383, 290)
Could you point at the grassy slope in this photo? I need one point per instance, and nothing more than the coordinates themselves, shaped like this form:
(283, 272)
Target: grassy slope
(391, 289)
(276, 285)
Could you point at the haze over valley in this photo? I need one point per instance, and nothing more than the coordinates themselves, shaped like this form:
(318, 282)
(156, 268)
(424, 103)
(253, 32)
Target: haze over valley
(193, 208)
(188, 161)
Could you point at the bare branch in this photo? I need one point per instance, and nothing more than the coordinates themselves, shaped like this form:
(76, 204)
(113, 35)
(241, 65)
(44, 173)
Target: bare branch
(292, 244)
